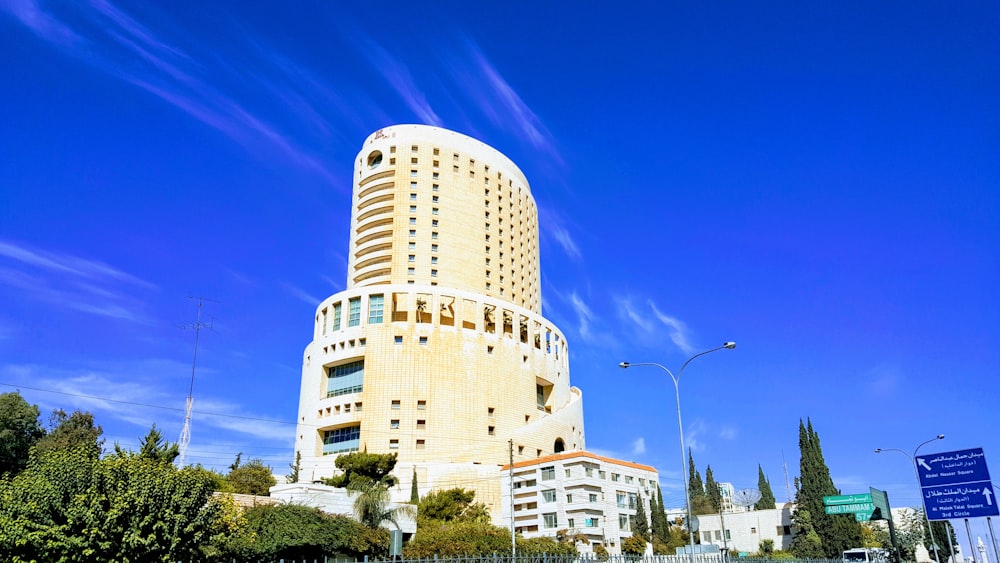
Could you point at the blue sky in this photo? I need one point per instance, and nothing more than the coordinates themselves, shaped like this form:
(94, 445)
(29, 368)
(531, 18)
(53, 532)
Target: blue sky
(817, 181)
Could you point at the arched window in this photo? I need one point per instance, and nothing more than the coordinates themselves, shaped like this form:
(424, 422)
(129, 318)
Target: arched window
(559, 446)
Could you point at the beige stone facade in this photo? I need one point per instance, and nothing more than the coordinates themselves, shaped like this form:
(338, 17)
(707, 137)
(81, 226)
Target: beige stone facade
(437, 350)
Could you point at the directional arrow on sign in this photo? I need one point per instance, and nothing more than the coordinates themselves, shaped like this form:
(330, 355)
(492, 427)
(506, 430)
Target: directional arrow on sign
(922, 463)
(988, 494)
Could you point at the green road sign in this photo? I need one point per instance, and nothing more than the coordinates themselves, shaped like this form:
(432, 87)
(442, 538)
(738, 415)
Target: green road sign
(846, 499)
(862, 507)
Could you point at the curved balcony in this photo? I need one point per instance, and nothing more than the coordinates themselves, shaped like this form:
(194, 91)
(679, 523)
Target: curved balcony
(372, 261)
(377, 197)
(374, 245)
(373, 276)
(375, 237)
(377, 176)
(372, 223)
(380, 210)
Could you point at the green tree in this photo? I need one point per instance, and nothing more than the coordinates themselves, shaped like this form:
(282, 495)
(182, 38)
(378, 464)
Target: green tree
(414, 490)
(69, 430)
(296, 467)
(766, 547)
(700, 503)
(806, 543)
(451, 505)
(634, 545)
(371, 503)
(369, 467)
(837, 532)
(659, 526)
(463, 537)
(251, 478)
(712, 491)
(640, 524)
(154, 447)
(766, 501)
(944, 536)
(19, 430)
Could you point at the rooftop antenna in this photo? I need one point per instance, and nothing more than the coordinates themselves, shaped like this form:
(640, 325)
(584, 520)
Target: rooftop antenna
(186, 431)
(788, 486)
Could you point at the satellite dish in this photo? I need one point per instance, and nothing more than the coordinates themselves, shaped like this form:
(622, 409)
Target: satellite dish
(746, 497)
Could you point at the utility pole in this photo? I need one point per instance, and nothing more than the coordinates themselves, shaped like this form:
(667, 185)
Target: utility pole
(185, 439)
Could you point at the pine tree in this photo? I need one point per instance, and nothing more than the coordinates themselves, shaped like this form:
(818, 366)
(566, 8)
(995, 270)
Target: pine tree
(766, 501)
(414, 491)
(640, 525)
(836, 532)
(712, 491)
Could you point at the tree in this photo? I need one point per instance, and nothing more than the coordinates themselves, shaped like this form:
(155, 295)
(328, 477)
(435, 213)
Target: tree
(19, 430)
(944, 536)
(414, 490)
(837, 532)
(373, 467)
(696, 490)
(451, 539)
(251, 478)
(634, 545)
(640, 525)
(766, 547)
(69, 430)
(296, 467)
(659, 526)
(766, 501)
(153, 447)
(451, 505)
(712, 491)
(806, 543)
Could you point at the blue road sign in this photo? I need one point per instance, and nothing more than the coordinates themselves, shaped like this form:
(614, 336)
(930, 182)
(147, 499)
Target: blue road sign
(949, 468)
(956, 485)
(968, 500)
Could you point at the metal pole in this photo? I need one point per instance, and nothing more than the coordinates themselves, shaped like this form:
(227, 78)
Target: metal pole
(993, 540)
(972, 546)
(916, 475)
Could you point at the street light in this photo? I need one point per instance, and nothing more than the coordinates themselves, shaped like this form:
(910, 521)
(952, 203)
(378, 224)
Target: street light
(677, 394)
(916, 473)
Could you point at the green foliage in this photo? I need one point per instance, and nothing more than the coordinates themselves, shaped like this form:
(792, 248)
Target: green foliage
(700, 503)
(944, 535)
(371, 505)
(640, 525)
(217, 480)
(19, 430)
(296, 467)
(712, 491)
(67, 505)
(69, 430)
(152, 446)
(766, 547)
(295, 532)
(781, 555)
(414, 490)
(529, 547)
(462, 537)
(373, 467)
(836, 532)
(252, 478)
(601, 552)
(659, 527)
(767, 500)
(806, 543)
(451, 505)
(634, 545)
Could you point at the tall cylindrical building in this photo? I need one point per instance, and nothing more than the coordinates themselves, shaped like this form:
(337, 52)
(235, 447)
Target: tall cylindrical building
(437, 350)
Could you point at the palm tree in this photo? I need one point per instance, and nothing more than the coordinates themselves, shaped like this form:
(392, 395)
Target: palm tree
(421, 307)
(371, 507)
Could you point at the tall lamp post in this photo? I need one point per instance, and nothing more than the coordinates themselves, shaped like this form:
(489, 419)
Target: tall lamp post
(916, 474)
(677, 394)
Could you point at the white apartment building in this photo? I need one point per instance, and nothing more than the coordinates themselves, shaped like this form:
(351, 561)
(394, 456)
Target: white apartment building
(743, 531)
(581, 492)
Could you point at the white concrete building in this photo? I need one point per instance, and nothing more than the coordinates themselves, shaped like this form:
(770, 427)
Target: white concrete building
(744, 531)
(581, 492)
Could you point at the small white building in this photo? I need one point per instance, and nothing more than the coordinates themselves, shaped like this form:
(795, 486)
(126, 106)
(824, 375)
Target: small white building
(580, 492)
(743, 531)
(333, 500)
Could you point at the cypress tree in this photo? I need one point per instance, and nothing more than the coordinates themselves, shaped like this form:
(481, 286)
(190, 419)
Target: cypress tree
(661, 527)
(712, 490)
(837, 532)
(414, 491)
(696, 489)
(640, 525)
(766, 501)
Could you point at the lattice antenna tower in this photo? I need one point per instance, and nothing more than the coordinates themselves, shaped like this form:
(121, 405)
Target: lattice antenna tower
(185, 439)
(788, 485)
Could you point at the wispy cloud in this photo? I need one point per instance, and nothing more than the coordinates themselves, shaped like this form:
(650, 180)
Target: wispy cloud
(639, 446)
(397, 74)
(584, 315)
(108, 38)
(301, 294)
(678, 330)
(81, 284)
(692, 435)
(728, 433)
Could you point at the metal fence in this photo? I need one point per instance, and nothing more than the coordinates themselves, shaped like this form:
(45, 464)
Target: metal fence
(584, 558)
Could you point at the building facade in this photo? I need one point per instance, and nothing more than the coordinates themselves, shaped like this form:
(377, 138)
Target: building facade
(581, 492)
(743, 531)
(437, 349)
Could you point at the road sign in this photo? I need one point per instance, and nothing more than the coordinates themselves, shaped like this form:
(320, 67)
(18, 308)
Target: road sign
(956, 485)
(846, 499)
(949, 468)
(858, 507)
(968, 500)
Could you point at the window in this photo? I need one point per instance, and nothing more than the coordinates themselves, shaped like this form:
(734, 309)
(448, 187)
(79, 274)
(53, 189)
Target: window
(548, 473)
(376, 305)
(413, 220)
(602, 474)
(357, 407)
(345, 378)
(421, 444)
(549, 495)
(398, 339)
(434, 199)
(568, 472)
(342, 440)
(549, 520)
(615, 477)
(434, 235)
(336, 317)
(434, 248)
(434, 222)
(423, 340)
(413, 197)
(592, 497)
(718, 535)
(633, 500)
(412, 246)
(413, 209)
(434, 259)
(569, 499)
(728, 537)
(570, 523)
(753, 530)
(394, 424)
(620, 499)
(395, 405)
(434, 273)
(394, 444)
(413, 173)
(588, 471)
(628, 479)
(421, 405)
(490, 411)
(411, 271)
(421, 424)
(592, 522)
(411, 258)
(435, 187)
(491, 430)
(413, 232)
(623, 522)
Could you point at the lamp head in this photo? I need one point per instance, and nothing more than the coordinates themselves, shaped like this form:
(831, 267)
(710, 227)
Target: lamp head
(878, 450)
(940, 437)
(729, 345)
(623, 365)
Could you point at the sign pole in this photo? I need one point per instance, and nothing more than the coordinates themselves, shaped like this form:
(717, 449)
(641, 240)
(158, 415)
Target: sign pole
(993, 539)
(972, 546)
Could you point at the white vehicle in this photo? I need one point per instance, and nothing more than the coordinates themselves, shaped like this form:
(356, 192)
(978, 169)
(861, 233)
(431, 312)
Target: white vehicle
(866, 555)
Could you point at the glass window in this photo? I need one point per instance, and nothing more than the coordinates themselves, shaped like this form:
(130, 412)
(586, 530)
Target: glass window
(395, 405)
(394, 424)
(421, 405)
(620, 499)
(342, 440)
(549, 495)
(592, 497)
(548, 473)
(411, 258)
(623, 522)
(570, 523)
(336, 317)
(345, 378)
(569, 499)
(394, 444)
(628, 479)
(549, 520)
(354, 311)
(376, 306)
